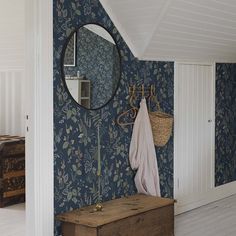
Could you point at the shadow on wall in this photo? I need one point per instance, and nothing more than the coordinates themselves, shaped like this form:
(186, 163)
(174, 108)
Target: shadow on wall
(75, 129)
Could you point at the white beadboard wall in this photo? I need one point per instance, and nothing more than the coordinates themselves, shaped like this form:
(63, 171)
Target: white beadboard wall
(12, 104)
(12, 63)
(194, 133)
(12, 37)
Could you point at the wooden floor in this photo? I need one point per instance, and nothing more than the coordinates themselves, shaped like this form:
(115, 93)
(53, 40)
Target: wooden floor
(12, 220)
(215, 219)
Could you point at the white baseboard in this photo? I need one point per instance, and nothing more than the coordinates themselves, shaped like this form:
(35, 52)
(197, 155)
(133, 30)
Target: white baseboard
(213, 195)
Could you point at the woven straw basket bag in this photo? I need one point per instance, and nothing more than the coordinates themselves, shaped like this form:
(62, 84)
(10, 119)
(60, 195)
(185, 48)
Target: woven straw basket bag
(161, 126)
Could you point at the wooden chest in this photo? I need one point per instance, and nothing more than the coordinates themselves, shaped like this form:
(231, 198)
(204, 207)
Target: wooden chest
(12, 170)
(137, 215)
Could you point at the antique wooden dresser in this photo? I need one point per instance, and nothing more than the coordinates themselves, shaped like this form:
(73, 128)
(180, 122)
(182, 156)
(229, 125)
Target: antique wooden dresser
(137, 215)
(12, 170)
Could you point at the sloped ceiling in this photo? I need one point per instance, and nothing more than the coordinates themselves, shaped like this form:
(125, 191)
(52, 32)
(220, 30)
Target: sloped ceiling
(196, 30)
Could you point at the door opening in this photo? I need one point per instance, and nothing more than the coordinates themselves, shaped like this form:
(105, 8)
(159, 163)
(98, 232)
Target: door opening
(194, 134)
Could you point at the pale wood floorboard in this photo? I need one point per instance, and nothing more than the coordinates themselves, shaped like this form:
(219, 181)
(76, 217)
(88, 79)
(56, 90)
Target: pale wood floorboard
(12, 220)
(215, 219)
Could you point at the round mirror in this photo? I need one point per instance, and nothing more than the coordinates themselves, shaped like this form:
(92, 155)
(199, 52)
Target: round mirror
(91, 66)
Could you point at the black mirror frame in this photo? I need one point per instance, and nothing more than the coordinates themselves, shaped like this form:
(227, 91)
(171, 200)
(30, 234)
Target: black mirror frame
(62, 66)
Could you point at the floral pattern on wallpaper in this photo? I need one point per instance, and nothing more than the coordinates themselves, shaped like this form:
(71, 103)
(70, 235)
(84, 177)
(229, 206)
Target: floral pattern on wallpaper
(70, 53)
(75, 129)
(94, 50)
(225, 139)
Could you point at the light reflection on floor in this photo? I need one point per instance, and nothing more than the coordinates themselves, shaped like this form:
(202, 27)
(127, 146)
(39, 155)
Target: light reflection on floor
(12, 220)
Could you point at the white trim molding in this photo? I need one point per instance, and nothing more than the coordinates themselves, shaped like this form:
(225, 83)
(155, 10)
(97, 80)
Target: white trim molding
(39, 135)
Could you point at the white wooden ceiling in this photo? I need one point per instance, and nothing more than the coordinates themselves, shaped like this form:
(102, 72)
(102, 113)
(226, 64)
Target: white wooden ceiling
(196, 30)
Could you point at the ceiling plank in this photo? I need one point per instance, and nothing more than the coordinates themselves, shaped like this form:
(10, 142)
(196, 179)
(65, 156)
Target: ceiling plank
(177, 29)
(156, 24)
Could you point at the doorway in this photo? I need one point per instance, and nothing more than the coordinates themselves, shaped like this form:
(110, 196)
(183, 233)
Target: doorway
(39, 137)
(12, 118)
(37, 19)
(194, 134)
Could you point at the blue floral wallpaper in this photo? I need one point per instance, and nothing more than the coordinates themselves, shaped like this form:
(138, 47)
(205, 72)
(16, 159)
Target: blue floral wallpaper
(225, 162)
(75, 129)
(99, 61)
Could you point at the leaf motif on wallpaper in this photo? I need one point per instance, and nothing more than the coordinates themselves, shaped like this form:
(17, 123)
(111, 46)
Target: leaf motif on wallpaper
(115, 178)
(57, 55)
(77, 169)
(89, 162)
(74, 115)
(121, 150)
(76, 6)
(106, 174)
(65, 145)
(73, 6)
(63, 178)
(77, 174)
(87, 8)
(96, 120)
(69, 129)
(105, 114)
(68, 114)
(57, 137)
(87, 121)
(113, 134)
(94, 192)
(69, 151)
(84, 139)
(106, 191)
(88, 166)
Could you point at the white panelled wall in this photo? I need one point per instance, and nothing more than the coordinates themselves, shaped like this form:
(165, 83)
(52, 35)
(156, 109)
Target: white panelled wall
(12, 63)
(194, 136)
(12, 39)
(194, 132)
(12, 104)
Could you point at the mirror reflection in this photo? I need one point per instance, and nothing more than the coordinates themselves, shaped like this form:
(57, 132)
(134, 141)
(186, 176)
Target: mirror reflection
(91, 66)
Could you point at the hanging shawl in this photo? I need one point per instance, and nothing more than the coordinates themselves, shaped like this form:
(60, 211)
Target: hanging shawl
(142, 154)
